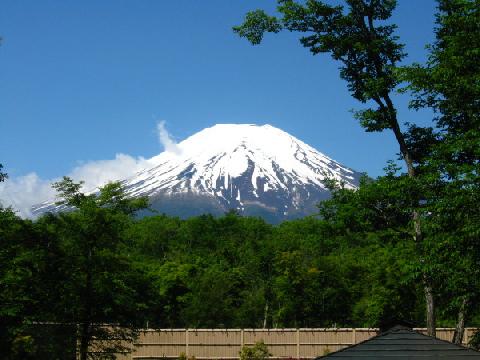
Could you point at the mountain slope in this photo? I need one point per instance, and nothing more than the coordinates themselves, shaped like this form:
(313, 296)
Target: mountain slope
(257, 170)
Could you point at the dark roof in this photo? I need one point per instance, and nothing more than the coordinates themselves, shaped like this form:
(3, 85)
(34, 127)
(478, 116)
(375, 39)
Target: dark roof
(401, 342)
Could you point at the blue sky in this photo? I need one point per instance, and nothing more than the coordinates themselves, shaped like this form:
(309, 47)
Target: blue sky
(82, 81)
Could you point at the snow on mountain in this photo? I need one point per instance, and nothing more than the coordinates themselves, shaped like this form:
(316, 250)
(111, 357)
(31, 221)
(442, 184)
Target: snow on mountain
(257, 170)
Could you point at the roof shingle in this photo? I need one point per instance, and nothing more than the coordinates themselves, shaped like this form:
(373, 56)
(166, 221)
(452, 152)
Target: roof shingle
(401, 342)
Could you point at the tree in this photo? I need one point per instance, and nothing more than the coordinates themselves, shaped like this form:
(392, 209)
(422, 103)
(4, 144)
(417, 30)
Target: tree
(16, 280)
(29, 284)
(449, 83)
(103, 292)
(369, 54)
(372, 227)
(310, 291)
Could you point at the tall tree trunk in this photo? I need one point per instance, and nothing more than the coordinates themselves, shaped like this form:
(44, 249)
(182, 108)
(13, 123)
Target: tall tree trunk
(86, 327)
(430, 308)
(84, 340)
(417, 229)
(431, 318)
(460, 327)
(265, 315)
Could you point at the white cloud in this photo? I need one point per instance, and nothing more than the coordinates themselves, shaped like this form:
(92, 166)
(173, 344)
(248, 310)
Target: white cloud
(166, 140)
(24, 191)
(99, 172)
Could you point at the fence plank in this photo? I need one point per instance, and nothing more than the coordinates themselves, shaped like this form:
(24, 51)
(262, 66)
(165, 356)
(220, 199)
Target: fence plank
(212, 344)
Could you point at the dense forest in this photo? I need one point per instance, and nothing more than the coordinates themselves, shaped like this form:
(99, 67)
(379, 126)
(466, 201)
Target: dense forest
(404, 246)
(355, 264)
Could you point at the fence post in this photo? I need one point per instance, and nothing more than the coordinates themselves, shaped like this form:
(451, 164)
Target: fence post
(186, 343)
(354, 336)
(242, 339)
(298, 343)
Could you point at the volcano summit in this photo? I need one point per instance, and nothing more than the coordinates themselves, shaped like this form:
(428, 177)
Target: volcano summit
(256, 170)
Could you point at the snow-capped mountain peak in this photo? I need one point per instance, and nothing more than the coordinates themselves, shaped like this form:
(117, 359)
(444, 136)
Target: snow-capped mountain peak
(208, 160)
(255, 169)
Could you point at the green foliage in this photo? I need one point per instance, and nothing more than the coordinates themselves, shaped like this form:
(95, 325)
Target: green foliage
(29, 260)
(99, 281)
(356, 265)
(356, 36)
(15, 278)
(256, 24)
(259, 351)
(449, 83)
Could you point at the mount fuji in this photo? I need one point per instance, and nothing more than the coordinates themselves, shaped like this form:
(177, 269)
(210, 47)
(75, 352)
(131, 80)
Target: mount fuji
(256, 170)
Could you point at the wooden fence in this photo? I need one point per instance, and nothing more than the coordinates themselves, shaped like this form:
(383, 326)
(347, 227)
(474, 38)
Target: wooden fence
(226, 343)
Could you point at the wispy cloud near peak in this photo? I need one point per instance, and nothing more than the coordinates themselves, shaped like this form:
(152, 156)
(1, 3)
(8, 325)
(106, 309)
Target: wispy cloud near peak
(166, 139)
